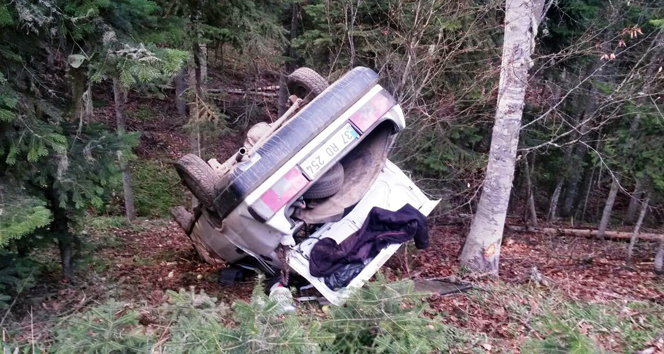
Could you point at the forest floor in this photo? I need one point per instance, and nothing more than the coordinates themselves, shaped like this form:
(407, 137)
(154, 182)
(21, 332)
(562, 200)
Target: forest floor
(563, 289)
(585, 282)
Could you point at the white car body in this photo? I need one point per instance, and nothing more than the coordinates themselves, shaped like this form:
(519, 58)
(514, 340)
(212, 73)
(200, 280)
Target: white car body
(242, 233)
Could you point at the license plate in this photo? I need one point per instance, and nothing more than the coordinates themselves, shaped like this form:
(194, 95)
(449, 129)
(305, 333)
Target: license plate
(315, 163)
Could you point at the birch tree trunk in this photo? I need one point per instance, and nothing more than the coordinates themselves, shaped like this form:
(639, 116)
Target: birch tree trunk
(608, 207)
(531, 199)
(582, 207)
(659, 259)
(553, 201)
(119, 98)
(637, 228)
(634, 200)
(481, 251)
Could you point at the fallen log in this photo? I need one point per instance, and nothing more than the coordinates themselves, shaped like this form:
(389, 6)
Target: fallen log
(584, 233)
(243, 92)
(267, 91)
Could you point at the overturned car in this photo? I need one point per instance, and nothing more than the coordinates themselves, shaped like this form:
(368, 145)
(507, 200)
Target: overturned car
(313, 193)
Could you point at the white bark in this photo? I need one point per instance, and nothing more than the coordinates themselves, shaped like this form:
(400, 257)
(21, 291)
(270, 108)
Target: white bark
(639, 189)
(531, 198)
(659, 259)
(608, 207)
(481, 252)
(637, 228)
(553, 202)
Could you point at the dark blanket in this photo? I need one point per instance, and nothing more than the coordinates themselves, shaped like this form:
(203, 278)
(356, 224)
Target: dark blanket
(380, 229)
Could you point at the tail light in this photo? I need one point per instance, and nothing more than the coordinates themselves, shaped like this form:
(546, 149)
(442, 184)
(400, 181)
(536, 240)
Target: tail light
(281, 193)
(370, 112)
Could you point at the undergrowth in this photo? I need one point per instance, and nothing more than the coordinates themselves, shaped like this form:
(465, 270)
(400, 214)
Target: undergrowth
(550, 322)
(157, 188)
(382, 317)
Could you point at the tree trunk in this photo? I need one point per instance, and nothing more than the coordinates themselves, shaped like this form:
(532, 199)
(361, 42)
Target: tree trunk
(639, 189)
(78, 82)
(194, 128)
(589, 186)
(481, 251)
(553, 202)
(282, 105)
(580, 149)
(119, 98)
(289, 64)
(632, 242)
(180, 99)
(576, 166)
(531, 198)
(606, 214)
(60, 227)
(617, 235)
(659, 259)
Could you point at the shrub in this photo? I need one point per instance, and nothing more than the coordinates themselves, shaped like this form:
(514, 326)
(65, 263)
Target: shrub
(380, 318)
(157, 188)
(108, 328)
(387, 317)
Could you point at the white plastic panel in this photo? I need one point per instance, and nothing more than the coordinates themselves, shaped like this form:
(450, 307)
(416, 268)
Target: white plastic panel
(391, 191)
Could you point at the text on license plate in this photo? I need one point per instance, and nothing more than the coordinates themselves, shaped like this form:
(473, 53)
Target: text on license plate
(315, 163)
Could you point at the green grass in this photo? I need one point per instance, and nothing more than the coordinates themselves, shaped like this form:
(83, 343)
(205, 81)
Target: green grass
(157, 188)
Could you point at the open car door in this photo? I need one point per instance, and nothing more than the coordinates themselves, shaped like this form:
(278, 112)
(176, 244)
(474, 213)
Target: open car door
(391, 190)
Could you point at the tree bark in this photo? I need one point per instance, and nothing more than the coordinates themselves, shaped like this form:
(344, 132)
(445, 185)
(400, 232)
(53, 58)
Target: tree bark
(78, 87)
(119, 98)
(180, 99)
(282, 98)
(589, 186)
(639, 189)
(60, 227)
(553, 202)
(531, 198)
(289, 64)
(637, 228)
(659, 259)
(608, 207)
(481, 251)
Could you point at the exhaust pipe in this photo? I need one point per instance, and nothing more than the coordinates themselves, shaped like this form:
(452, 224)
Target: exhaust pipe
(241, 153)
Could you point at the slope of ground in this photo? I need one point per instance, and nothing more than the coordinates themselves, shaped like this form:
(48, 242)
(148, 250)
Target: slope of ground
(138, 263)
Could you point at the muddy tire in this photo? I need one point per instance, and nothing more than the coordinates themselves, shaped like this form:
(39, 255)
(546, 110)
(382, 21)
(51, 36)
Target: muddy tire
(306, 84)
(199, 177)
(328, 185)
(183, 218)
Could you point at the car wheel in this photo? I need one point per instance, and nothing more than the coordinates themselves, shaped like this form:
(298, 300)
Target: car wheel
(203, 251)
(306, 84)
(183, 218)
(328, 185)
(199, 177)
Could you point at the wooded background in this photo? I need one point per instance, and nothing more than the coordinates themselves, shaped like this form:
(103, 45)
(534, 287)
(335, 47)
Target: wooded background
(590, 149)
